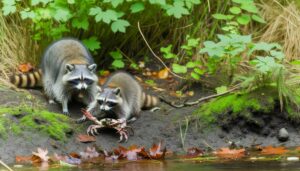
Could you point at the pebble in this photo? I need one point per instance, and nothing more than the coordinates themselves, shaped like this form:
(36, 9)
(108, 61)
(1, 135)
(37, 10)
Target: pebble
(292, 158)
(283, 135)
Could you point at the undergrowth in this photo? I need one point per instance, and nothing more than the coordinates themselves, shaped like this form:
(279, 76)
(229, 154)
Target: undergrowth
(238, 105)
(57, 126)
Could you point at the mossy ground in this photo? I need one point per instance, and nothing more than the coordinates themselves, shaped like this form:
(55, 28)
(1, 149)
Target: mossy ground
(238, 105)
(14, 120)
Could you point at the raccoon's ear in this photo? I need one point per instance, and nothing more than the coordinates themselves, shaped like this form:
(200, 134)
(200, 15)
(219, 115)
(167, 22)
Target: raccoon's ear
(69, 67)
(117, 91)
(92, 67)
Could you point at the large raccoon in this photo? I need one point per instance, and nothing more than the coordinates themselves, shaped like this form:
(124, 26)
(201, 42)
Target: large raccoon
(67, 71)
(120, 97)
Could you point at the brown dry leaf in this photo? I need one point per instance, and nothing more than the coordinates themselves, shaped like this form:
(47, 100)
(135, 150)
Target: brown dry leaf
(85, 138)
(155, 151)
(194, 152)
(230, 153)
(42, 154)
(20, 159)
(270, 150)
(25, 67)
(102, 80)
(163, 74)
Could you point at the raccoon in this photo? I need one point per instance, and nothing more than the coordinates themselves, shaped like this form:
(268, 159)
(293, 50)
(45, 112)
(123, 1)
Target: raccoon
(120, 97)
(67, 71)
(32, 79)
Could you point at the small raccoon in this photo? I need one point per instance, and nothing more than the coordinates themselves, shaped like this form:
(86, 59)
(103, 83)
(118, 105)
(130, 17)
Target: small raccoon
(30, 79)
(121, 96)
(67, 70)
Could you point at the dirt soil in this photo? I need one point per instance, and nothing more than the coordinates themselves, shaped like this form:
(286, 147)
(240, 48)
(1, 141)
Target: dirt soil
(151, 127)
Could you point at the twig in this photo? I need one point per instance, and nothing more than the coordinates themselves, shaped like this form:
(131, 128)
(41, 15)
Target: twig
(158, 58)
(185, 104)
(205, 143)
(7, 167)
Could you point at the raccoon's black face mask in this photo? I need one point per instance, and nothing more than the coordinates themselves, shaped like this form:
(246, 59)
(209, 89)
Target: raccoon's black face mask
(109, 98)
(80, 77)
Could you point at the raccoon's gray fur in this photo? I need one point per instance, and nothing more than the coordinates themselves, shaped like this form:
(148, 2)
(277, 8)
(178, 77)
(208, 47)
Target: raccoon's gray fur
(68, 70)
(121, 96)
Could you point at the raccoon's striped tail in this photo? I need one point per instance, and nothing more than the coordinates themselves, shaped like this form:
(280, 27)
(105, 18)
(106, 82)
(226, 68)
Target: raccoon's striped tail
(30, 79)
(149, 101)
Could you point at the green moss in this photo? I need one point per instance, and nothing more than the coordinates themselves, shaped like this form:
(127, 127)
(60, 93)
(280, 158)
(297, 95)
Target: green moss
(55, 125)
(237, 105)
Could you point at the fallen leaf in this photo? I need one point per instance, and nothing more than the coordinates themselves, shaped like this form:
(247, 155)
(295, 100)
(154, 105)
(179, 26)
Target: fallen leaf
(230, 153)
(190, 93)
(85, 138)
(25, 67)
(155, 151)
(194, 152)
(42, 154)
(163, 74)
(270, 150)
(89, 152)
(20, 159)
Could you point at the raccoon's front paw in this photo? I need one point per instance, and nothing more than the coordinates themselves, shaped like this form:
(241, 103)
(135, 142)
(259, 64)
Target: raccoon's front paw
(81, 120)
(66, 113)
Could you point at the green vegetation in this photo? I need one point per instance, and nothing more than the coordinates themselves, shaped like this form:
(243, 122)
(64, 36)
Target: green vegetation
(57, 126)
(238, 105)
(242, 41)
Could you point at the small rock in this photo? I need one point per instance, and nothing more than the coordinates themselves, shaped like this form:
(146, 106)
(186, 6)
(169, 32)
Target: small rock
(283, 135)
(292, 159)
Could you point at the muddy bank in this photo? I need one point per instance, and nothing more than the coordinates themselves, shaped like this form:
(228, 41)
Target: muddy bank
(162, 125)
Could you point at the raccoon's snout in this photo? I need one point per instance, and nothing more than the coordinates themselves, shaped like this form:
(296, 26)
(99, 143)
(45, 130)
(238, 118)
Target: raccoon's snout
(81, 86)
(105, 107)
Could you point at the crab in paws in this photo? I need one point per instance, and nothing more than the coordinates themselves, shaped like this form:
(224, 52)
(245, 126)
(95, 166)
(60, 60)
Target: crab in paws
(119, 124)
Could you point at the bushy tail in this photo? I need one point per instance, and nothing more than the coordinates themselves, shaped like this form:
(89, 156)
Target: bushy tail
(149, 101)
(30, 79)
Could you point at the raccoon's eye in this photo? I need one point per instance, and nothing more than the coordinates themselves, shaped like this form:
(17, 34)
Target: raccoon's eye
(111, 104)
(74, 81)
(88, 81)
(100, 102)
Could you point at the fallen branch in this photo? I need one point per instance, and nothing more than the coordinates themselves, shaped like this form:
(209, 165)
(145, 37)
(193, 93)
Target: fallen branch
(157, 57)
(5, 165)
(185, 104)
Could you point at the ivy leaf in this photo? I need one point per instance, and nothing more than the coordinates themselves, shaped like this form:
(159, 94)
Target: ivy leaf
(62, 14)
(222, 16)
(177, 10)
(179, 68)
(244, 19)
(116, 55)
(118, 63)
(92, 43)
(97, 12)
(190, 3)
(80, 23)
(137, 7)
(114, 3)
(159, 2)
(119, 25)
(27, 14)
(8, 9)
(235, 10)
(109, 15)
(258, 19)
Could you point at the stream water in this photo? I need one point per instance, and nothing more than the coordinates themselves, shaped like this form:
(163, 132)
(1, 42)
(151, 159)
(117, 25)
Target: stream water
(178, 166)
